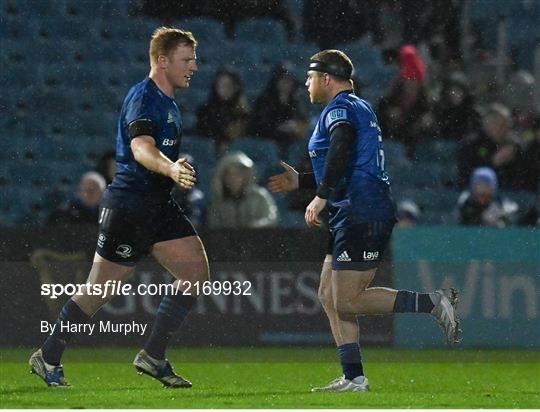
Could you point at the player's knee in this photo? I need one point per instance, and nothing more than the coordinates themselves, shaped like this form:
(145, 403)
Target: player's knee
(205, 271)
(195, 271)
(325, 297)
(341, 305)
(346, 304)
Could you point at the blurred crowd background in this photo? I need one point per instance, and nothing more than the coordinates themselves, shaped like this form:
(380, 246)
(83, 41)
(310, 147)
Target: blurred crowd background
(454, 84)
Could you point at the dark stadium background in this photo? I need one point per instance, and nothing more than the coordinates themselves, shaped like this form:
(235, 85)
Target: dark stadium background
(66, 66)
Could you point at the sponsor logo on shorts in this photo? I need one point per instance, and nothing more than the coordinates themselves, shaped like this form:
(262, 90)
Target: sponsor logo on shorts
(124, 251)
(101, 239)
(344, 257)
(371, 255)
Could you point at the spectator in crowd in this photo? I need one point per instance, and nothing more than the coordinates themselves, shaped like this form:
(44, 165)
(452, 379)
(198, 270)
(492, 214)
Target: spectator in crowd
(531, 217)
(237, 201)
(404, 112)
(224, 117)
(481, 204)
(408, 214)
(191, 201)
(106, 165)
(518, 93)
(454, 113)
(280, 112)
(495, 146)
(531, 157)
(84, 206)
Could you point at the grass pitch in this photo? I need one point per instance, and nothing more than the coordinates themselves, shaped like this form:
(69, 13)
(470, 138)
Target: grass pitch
(280, 378)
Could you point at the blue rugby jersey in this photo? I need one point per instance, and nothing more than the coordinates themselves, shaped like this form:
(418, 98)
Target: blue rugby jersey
(146, 101)
(363, 195)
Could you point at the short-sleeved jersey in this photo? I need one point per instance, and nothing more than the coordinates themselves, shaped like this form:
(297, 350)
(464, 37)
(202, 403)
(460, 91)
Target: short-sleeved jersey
(145, 101)
(363, 195)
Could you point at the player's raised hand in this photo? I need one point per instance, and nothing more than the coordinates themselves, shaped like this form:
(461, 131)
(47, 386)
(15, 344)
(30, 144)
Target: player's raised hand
(284, 182)
(183, 173)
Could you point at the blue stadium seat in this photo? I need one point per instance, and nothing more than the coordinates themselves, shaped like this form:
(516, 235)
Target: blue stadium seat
(14, 53)
(51, 101)
(437, 150)
(96, 124)
(295, 55)
(191, 99)
(282, 205)
(214, 55)
(441, 200)
(399, 176)
(106, 9)
(437, 206)
(203, 79)
(10, 9)
(204, 29)
(61, 28)
(522, 198)
(298, 54)
(296, 6)
(47, 52)
(263, 31)
(15, 205)
(21, 77)
(244, 54)
(256, 76)
(17, 29)
(204, 153)
(367, 60)
(107, 99)
(28, 10)
(255, 80)
(106, 53)
(61, 76)
(66, 151)
(296, 153)
(395, 154)
(264, 153)
(380, 81)
(421, 176)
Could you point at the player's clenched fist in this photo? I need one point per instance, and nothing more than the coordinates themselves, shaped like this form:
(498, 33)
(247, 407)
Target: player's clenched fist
(183, 173)
(286, 181)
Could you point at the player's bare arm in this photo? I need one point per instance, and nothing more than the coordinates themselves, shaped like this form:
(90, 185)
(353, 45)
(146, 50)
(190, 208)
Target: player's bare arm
(146, 153)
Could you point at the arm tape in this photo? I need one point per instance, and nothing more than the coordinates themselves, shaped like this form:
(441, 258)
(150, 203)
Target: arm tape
(141, 127)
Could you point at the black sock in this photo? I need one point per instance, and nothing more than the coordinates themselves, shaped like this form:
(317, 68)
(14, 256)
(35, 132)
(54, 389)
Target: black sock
(351, 360)
(54, 346)
(172, 311)
(425, 302)
(407, 301)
